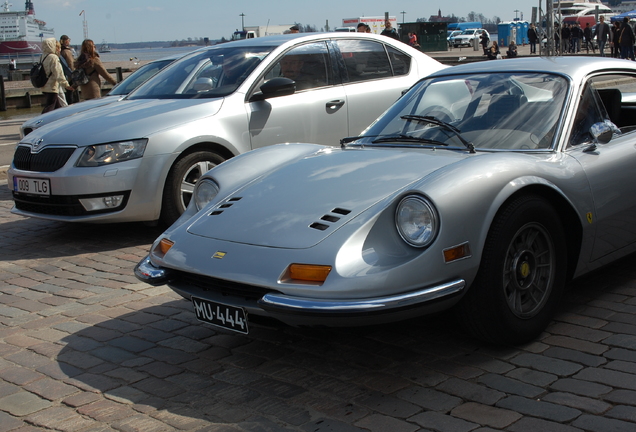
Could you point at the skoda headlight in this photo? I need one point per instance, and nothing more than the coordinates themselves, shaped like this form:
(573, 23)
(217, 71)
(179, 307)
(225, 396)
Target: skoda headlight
(105, 154)
(204, 192)
(416, 221)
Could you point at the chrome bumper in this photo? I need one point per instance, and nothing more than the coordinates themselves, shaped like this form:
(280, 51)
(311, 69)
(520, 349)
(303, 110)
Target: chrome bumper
(275, 303)
(284, 303)
(145, 271)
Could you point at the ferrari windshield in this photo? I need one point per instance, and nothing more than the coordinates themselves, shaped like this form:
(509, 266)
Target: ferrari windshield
(208, 74)
(506, 111)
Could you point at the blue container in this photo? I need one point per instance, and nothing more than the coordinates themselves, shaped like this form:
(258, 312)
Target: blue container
(522, 32)
(505, 32)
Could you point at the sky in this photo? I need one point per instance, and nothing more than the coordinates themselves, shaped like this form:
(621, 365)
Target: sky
(121, 21)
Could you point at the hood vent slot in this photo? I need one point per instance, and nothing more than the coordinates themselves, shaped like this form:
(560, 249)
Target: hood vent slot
(319, 226)
(329, 218)
(341, 211)
(225, 205)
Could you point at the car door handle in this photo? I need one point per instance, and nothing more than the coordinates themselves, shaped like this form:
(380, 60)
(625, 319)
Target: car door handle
(335, 104)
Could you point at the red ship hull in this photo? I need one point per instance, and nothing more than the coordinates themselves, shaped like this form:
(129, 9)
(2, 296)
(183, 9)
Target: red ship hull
(18, 47)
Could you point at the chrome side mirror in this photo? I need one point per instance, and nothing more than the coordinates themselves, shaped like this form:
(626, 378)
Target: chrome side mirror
(602, 132)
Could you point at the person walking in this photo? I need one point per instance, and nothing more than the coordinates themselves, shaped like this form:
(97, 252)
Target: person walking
(533, 38)
(626, 40)
(587, 36)
(602, 34)
(56, 79)
(575, 39)
(91, 63)
(565, 39)
(616, 31)
(67, 60)
(484, 41)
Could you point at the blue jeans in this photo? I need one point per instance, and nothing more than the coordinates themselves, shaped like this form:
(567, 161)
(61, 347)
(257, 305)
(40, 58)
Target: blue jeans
(627, 52)
(601, 47)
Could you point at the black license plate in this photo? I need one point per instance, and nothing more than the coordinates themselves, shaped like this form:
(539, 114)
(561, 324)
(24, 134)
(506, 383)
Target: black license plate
(221, 315)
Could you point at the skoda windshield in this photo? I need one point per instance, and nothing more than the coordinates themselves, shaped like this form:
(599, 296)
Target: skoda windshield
(209, 74)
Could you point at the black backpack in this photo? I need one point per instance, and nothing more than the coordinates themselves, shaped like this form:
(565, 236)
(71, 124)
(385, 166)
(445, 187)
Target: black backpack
(38, 74)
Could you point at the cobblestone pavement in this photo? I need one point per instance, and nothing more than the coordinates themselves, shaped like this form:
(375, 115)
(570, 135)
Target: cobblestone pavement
(85, 347)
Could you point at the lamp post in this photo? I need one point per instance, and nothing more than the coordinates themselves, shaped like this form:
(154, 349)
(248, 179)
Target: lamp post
(85, 25)
(516, 11)
(403, 13)
(242, 21)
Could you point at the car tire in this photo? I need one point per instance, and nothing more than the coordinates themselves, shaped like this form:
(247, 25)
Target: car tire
(181, 180)
(521, 277)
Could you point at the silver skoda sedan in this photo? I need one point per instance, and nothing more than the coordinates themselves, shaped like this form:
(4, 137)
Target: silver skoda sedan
(116, 94)
(139, 159)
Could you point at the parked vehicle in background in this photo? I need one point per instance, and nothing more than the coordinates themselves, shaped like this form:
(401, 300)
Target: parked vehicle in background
(139, 159)
(467, 38)
(451, 35)
(117, 93)
(464, 25)
(486, 187)
(250, 32)
(345, 29)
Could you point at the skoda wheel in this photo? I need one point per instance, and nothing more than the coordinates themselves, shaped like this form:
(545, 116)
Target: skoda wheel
(181, 180)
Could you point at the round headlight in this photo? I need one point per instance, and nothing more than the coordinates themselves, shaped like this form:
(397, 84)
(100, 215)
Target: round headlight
(204, 192)
(416, 221)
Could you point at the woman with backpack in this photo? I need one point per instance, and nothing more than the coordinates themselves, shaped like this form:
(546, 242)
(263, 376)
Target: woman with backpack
(56, 80)
(90, 62)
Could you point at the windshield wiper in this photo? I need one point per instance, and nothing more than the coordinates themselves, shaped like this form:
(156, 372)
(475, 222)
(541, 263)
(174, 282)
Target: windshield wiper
(437, 122)
(407, 138)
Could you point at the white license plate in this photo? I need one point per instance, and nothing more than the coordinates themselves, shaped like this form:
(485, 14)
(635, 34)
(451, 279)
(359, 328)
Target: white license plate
(33, 186)
(221, 315)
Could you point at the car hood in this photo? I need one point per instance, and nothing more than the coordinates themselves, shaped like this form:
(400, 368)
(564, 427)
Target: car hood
(301, 203)
(127, 119)
(75, 108)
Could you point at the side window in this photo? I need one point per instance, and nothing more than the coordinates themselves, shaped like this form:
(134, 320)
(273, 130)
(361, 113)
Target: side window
(400, 62)
(307, 65)
(587, 113)
(364, 60)
(617, 94)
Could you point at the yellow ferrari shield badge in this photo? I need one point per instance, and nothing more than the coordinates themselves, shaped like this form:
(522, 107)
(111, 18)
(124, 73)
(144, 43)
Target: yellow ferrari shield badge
(219, 255)
(589, 217)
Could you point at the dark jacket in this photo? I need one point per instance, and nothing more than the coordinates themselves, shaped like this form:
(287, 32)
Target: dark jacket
(390, 33)
(602, 32)
(626, 35)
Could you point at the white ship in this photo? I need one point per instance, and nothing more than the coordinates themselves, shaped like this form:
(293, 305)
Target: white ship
(20, 31)
(588, 8)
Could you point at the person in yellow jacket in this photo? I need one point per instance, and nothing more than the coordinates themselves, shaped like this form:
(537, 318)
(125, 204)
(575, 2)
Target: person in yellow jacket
(56, 79)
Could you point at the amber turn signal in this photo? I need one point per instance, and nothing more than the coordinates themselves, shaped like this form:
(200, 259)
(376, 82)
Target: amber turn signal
(456, 253)
(309, 272)
(165, 245)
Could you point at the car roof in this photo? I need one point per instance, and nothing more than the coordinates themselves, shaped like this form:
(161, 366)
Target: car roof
(277, 40)
(575, 67)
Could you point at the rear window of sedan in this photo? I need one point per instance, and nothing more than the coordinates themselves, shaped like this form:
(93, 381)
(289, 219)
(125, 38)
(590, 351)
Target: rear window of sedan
(367, 60)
